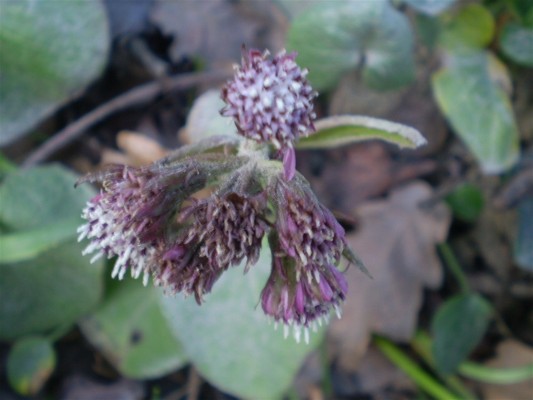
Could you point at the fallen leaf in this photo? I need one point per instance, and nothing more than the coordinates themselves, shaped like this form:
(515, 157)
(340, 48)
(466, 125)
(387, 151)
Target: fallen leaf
(374, 375)
(197, 26)
(137, 150)
(510, 354)
(352, 96)
(140, 148)
(350, 175)
(396, 239)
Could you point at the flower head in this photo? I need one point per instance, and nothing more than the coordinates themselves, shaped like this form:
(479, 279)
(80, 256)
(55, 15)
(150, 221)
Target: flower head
(129, 217)
(270, 99)
(223, 231)
(153, 220)
(114, 223)
(302, 303)
(304, 285)
(307, 230)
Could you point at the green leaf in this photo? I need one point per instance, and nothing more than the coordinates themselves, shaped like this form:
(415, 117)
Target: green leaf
(30, 363)
(338, 37)
(51, 50)
(427, 29)
(41, 196)
(53, 289)
(517, 43)
(346, 129)
(472, 28)
(430, 7)
(230, 341)
(132, 333)
(466, 202)
(478, 110)
(25, 245)
(523, 251)
(458, 326)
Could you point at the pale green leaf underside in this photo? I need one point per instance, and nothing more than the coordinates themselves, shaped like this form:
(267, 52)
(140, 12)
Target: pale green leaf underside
(479, 111)
(130, 330)
(24, 245)
(346, 129)
(50, 51)
(261, 363)
(57, 285)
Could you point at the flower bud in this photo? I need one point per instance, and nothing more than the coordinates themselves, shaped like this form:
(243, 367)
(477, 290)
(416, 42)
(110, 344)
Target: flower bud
(270, 99)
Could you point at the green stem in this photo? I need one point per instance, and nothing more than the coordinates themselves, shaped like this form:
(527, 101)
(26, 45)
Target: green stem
(424, 380)
(327, 384)
(454, 266)
(421, 343)
(501, 376)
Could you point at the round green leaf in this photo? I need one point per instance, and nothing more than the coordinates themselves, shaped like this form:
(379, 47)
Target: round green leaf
(25, 245)
(58, 285)
(466, 202)
(30, 363)
(51, 290)
(337, 37)
(458, 326)
(131, 331)
(478, 110)
(51, 50)
(430, 7)
(230, 341)
(472, 28)
(41, 196)
(517, 43)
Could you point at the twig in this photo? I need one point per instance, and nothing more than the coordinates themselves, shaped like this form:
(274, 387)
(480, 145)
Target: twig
(138, 95)
(193, 384)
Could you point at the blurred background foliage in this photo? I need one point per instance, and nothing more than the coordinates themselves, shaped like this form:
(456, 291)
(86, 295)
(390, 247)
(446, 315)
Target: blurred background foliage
(440, 65)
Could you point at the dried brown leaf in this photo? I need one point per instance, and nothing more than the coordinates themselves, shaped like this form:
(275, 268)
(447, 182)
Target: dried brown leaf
(510, 354)
(396, 239)
(358, 172)
(214, 30)
(140, 149)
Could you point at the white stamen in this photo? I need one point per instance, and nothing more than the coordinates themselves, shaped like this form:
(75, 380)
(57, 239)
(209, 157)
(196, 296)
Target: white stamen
(96, 257)
(306, 335)
(297, 333)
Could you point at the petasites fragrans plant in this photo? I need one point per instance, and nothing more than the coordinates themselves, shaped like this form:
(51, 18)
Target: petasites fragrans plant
(160, 224)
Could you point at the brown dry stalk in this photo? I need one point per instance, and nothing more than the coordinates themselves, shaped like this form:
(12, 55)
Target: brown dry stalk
(138, 95)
